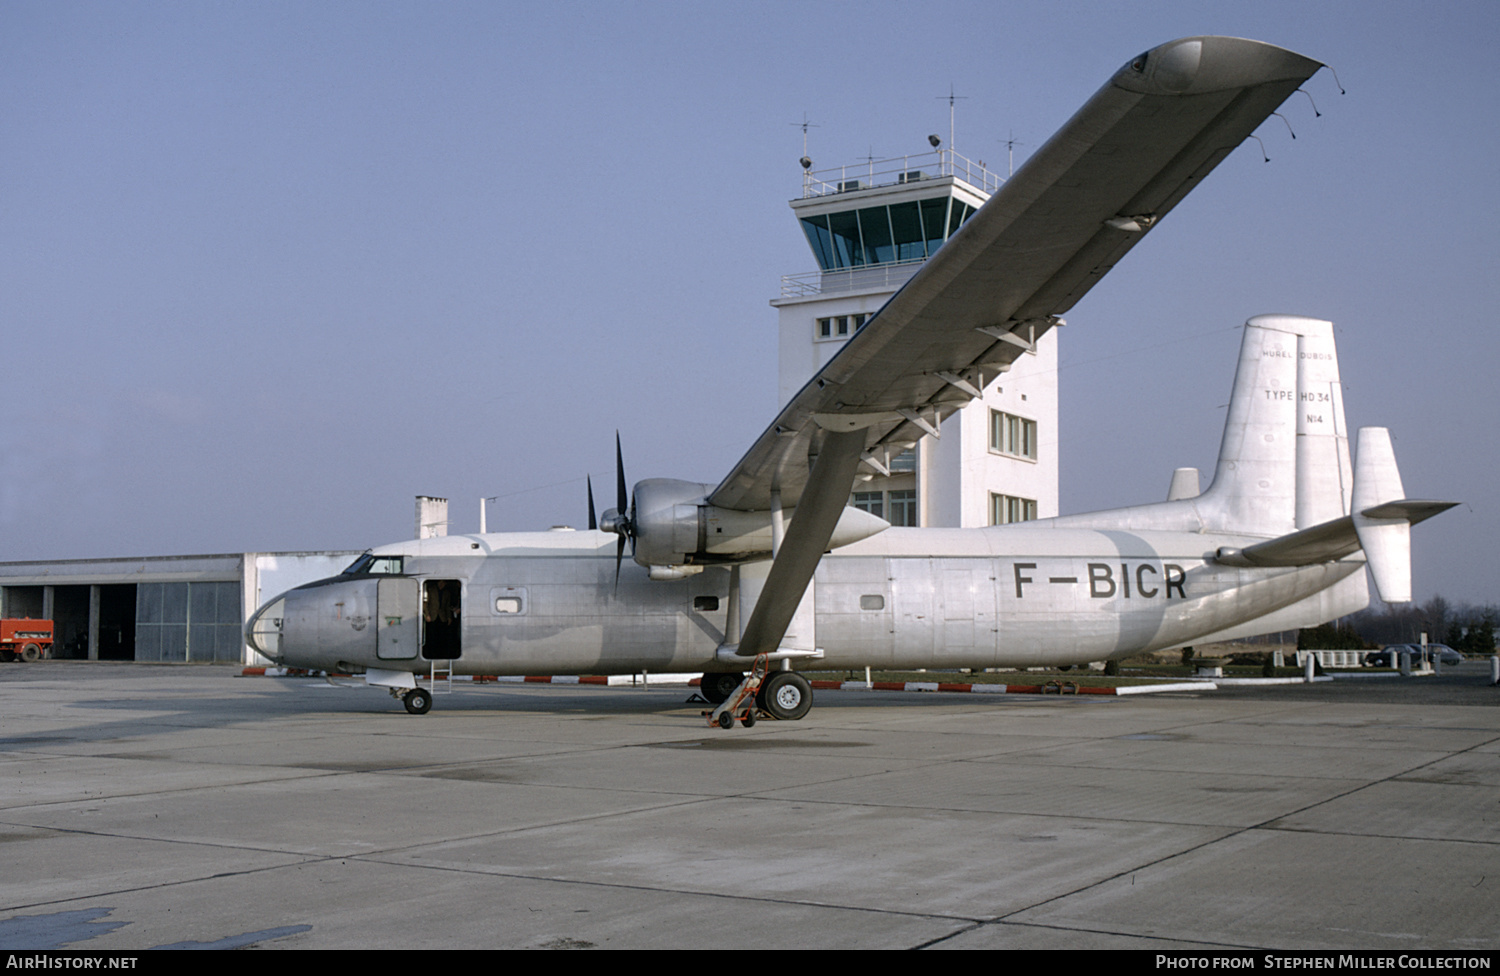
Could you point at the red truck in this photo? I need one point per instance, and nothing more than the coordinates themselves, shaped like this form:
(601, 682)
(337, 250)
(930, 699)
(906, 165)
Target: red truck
(25, 639)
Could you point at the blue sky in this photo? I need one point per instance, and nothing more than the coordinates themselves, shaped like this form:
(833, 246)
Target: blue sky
(271, 269)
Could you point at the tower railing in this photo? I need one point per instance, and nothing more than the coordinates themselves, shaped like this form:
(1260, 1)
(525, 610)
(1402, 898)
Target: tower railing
(873, 277)
(899, 169)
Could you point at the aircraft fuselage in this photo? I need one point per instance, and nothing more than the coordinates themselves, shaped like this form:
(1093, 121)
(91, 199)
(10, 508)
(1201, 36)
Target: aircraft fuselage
(1012, 596)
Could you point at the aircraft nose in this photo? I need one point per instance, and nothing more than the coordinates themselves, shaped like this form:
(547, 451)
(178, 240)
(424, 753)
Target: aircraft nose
(263, 630)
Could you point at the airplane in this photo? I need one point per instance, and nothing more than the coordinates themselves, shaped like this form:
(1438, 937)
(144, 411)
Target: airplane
(770, 573)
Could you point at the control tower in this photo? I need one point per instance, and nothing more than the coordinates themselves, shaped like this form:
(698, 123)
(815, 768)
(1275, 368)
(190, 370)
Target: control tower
(870, 228)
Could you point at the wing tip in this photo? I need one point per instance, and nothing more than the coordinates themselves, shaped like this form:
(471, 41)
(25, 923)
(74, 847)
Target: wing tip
(1210, 63)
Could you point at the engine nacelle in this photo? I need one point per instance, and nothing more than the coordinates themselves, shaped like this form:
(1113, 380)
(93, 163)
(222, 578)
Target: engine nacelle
(675, 526)
(666, 520)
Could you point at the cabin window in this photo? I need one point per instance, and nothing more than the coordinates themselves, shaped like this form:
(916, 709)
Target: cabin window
(508, 600)
(706, 604)
(872, 601)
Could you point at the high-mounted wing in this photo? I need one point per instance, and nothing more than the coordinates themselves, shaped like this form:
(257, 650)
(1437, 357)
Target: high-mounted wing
(1041, 242)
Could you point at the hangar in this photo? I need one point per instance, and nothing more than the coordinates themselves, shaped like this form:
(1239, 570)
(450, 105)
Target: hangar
(155, 608)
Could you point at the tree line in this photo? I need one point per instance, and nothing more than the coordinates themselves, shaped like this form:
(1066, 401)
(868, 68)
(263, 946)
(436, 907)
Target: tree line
(1466, 628)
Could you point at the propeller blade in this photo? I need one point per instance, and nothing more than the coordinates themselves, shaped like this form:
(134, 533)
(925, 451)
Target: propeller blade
(593, 522)
(625, 519)
(621, 499)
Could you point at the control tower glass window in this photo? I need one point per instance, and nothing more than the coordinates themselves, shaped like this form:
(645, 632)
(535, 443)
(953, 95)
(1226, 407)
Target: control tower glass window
(846, 247)
(821, 241)
(908, 231)
(875, 231)
(934, 223)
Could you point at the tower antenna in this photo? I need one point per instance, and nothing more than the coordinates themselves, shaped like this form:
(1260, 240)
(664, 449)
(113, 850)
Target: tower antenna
(951, 99)
(1010, 153)
(805, 125)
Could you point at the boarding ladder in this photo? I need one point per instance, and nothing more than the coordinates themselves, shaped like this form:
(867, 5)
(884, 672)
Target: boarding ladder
(441, 670)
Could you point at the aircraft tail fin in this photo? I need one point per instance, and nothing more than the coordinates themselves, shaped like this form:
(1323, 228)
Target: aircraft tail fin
(1284, 469)
(1383, 528)
(1284, 459)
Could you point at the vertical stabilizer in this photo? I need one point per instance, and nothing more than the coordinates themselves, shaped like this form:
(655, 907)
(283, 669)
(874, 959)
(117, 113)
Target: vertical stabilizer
(1184, 485)
(1284, 461)
(1255, 482)
(1386, 541)
(1324, 474)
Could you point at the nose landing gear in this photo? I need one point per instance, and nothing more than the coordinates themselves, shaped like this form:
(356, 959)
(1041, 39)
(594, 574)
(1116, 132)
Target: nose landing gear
(417, 701)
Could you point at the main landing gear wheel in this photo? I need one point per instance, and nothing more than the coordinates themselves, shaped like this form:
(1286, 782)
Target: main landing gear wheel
(717, 686)
(417, 701)
(785, 695)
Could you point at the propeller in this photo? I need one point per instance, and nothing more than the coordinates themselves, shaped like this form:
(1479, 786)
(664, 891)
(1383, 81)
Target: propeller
(593, 522)
(621, 519)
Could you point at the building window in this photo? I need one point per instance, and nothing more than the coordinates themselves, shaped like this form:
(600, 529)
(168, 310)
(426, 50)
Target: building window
(842, 326)
(1005, 509)
(903, 507)
(896, 507)
(1012, 435)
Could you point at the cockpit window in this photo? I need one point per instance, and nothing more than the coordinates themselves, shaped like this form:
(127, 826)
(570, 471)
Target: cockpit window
(373, 565)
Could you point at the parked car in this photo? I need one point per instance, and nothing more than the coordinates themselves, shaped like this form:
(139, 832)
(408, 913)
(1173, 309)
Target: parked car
(1389, 656)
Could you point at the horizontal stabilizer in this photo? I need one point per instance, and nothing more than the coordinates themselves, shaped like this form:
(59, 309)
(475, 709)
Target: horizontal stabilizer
(1410, 509)
(1380, 525)
(1331, 540)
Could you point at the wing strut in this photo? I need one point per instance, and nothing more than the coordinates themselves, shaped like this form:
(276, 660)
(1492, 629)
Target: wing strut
(807, 537)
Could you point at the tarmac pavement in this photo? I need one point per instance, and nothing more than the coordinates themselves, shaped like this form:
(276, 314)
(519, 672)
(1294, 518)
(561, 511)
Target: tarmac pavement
(149, 806)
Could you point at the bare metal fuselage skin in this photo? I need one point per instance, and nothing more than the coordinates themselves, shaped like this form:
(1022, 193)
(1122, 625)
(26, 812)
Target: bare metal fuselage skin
(1011, 596)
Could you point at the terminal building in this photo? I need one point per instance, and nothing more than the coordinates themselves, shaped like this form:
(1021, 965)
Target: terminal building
(870, 228)
(869, 231)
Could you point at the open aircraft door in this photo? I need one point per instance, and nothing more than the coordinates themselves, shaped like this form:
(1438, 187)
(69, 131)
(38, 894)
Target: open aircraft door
(398, 612)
